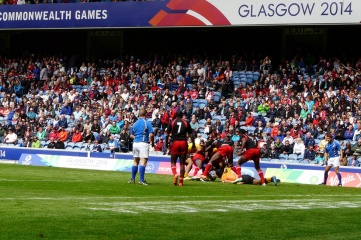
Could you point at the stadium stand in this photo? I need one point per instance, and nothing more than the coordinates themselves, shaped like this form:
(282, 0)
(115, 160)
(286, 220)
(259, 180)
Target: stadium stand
(40, 97)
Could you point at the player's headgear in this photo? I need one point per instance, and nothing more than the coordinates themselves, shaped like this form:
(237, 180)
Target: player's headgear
(242, 131)
(179, 114)
(212, 175)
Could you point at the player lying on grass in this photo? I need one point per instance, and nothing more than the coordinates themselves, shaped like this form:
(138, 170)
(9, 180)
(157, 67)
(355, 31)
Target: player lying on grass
(229, 176)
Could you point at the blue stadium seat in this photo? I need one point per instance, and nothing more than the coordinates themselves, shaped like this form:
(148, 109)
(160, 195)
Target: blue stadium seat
(217, 98)
(283, 156)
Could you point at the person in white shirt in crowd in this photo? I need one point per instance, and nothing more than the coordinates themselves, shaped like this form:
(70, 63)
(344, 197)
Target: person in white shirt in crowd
(299, 147)
(289, 138)
(11, 137)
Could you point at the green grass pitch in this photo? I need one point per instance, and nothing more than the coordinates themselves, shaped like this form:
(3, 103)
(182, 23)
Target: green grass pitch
(57, 203)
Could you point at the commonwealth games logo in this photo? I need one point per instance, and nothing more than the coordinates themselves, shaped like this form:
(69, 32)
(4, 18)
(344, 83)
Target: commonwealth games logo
(189, 13)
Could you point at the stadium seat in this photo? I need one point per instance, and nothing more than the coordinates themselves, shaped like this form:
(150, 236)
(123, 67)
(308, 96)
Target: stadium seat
(300, 158)
(217, 98)
(251, 129)
(292, 157)
(321, 136)
(283, 156)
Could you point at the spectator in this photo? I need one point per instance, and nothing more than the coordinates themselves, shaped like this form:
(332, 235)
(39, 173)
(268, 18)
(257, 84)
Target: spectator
(288, 138)
(112, 144)
(63, 135)
(356, 147)
(124, 141)
(159, 146)
(280, 136)
(88, 135)
(77, 136)
(347, 151)
(287, 148)
(63, 122)
(88, 146)
(320, 158)
(348, 135)
(96, 147)
(51, 144)
(66, 109)
(11, 137)
(59, 144)
(299, 147)
(309, 140)
(273, 152)
(249, 120)
(35, 143)
(354, 162)
(309, 154)
(257, 119)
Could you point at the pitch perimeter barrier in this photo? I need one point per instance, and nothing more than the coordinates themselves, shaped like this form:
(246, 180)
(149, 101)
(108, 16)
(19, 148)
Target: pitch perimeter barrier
(160, 164)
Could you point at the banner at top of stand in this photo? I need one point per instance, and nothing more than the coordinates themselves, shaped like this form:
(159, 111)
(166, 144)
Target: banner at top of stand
(180, 13)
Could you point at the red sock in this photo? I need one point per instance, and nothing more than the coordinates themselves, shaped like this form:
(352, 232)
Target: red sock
(181, 180)
(206, 171)
(174, 170)
(196, 169)
(260, 173)
(238, 171)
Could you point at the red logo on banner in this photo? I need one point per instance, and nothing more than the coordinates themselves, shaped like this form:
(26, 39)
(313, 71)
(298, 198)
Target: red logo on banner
(348, 179)
(189, 13)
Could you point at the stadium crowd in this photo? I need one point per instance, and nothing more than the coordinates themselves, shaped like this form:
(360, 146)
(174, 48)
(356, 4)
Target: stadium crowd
(286, 109)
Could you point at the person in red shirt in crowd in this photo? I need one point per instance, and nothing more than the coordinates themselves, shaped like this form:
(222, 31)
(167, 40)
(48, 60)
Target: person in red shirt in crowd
(317, 120)
(249, 120)
(194, 94)
(296, 131)
(187, 93)
(164, 118)
(159, 146)
(77, 136)
(232, 118)
(275, 129)
(53, 134)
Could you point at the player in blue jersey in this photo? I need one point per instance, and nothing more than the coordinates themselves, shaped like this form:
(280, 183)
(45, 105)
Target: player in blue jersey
(142, 133)
(333, 154)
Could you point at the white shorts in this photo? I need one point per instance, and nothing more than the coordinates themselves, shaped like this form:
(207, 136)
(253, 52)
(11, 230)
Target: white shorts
(334, 161)
(141, 150)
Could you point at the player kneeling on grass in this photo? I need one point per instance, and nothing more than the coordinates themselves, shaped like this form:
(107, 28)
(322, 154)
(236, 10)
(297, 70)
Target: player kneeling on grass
(197, 160)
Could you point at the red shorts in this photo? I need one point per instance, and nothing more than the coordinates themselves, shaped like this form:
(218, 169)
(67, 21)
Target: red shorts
(252, 154)
(179, 147)
(198, 156)
(226, 151)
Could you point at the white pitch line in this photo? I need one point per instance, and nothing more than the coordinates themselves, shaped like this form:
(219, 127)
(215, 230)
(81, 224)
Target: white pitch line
(168, 207)
(247, 198)
(35, 180)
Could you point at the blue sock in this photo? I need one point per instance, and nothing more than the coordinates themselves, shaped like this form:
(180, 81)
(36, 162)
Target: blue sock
(339, 178)
(141, 171)
(134, 172)
(325, 176)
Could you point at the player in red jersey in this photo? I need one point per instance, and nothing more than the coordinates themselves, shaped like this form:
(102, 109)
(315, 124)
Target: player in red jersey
(179, 129)
(251, 153)
(224, 150)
